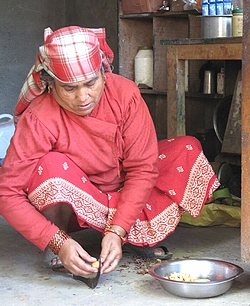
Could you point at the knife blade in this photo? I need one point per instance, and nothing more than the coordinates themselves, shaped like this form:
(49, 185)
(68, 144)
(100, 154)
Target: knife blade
(92, 280)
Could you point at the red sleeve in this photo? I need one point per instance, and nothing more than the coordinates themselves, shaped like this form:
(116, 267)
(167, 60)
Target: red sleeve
(26, 148)
(140, 162)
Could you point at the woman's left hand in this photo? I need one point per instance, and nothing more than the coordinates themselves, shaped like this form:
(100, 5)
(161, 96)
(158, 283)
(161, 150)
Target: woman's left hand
(111, 252)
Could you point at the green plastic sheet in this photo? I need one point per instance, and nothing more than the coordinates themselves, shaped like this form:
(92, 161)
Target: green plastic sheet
(215, 214)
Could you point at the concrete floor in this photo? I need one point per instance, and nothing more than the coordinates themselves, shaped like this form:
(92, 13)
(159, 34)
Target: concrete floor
(24, 280)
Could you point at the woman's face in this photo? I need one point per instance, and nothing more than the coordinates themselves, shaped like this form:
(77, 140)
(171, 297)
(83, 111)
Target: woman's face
(79, 98)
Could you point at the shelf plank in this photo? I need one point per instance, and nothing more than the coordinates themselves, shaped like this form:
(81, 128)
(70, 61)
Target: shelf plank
(202, 41)
(200, 95)
(219, 51)
(166, 14)
(152, 92)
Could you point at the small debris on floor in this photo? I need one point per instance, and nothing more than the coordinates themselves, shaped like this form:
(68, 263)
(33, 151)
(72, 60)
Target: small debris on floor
(141, 265)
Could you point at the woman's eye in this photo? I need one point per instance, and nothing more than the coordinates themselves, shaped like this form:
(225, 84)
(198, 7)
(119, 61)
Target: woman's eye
(69, 88)
(92, 83)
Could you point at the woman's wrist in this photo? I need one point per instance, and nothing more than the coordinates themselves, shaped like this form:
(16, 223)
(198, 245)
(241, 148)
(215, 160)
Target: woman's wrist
(57, 241)
(118, 231)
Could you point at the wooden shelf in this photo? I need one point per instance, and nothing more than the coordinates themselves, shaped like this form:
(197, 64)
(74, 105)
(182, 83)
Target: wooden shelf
(165, 31)
(199, 95)
(164, 14)
(202, 41)
(178, 53)
(148, 29)
(152, 92)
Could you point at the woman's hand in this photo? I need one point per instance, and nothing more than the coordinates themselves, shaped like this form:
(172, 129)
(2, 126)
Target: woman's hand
(75, 259)
(111, 250)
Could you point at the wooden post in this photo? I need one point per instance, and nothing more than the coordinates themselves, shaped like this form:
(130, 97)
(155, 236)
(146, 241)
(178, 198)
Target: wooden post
(245, 197)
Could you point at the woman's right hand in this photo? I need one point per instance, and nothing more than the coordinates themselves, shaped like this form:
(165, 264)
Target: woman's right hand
(75, 259)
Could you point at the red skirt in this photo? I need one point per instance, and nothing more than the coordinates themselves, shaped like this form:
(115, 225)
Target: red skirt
(186, 181)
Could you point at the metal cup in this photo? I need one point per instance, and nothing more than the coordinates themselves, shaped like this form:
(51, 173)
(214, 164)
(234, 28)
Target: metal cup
(208, 82)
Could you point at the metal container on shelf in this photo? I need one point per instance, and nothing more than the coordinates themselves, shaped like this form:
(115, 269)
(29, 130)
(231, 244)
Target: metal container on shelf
(208, 82)
(216, 26)
(237, 22)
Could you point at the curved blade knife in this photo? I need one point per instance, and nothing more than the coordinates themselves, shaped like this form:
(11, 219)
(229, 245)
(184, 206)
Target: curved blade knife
(92, 280)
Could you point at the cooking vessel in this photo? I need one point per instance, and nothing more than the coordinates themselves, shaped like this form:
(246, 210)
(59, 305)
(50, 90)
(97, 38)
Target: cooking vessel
(216, 26)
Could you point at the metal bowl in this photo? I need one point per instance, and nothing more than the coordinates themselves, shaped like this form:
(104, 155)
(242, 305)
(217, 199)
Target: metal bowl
(220, 273)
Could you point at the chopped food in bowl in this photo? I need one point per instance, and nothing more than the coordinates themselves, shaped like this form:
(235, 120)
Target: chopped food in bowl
(196, 278)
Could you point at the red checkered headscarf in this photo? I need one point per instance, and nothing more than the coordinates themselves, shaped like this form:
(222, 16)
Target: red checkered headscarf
(70, 54)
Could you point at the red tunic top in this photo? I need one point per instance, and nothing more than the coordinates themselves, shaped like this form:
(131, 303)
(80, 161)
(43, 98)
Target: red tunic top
(116, 147)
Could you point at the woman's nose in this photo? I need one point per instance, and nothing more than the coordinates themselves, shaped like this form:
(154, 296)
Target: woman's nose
(82, 94)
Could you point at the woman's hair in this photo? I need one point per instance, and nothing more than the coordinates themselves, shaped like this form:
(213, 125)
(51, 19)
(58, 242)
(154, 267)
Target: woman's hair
(44, 76)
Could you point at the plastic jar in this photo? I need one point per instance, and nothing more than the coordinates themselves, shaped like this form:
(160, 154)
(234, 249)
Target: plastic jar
(143, 65)
(237, 22)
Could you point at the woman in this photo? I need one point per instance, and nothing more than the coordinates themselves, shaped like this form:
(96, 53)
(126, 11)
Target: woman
(85, 154)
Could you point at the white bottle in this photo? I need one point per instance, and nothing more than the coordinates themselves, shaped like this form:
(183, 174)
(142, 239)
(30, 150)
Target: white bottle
(221, 82)
(7, 129)
(144, 66)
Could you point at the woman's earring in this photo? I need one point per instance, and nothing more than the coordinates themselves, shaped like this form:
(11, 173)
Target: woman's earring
(49, 88)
